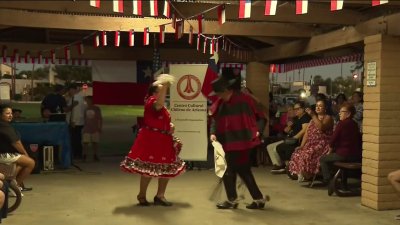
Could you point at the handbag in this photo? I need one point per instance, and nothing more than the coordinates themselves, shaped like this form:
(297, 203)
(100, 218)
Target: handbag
(290, 141)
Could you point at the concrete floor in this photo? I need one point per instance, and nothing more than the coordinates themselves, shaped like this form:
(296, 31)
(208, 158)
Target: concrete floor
(103, 195)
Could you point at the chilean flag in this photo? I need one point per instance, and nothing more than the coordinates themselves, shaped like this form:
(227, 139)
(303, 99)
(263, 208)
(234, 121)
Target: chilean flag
(221, 14)
(244, 9)
(211, 75)
(97, 40)
(146, 36)
(153, 8)
(118, 6)
(301, 6)
(379, 2)
(53, 56)
(198, 42)
(137, 7)
(120, 82)
(95, 3)
(162, 34)
(104, 35)
(67, 53)
(167, 9)
(200, 21)
(336, 5)
(131, 34)
(190, 35)
(117, 38)
(81, 49)
(270, 7)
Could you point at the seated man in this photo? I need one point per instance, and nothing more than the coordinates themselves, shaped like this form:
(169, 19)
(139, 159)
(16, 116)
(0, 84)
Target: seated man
(280, 151)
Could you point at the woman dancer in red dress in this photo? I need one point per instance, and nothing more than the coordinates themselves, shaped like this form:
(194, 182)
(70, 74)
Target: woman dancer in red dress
(153, 153)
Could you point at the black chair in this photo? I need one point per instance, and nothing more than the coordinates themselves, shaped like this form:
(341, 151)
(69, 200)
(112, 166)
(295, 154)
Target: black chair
(339, 184)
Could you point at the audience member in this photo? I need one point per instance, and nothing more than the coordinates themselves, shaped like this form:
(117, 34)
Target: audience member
(394, 179)
(305, 160)
(337, 104)
(281, 152)
(12, 150)
(345, 143)
(357, 100)
(92, 128)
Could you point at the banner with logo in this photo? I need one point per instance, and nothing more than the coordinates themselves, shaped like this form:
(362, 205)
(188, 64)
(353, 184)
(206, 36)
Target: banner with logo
(188, 108)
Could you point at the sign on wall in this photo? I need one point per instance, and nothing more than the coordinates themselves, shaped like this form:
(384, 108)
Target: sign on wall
(188, 109)
(371, 74)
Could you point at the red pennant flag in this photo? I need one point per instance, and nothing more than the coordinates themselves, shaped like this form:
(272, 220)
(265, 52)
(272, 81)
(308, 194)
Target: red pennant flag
(4, 53)
(221, 14)
(198, 42)
(162, 34)
(379, 2)
(80, 48)
(131, 34)
(244, 9)
(146, 38)
(270, 7)
(211, 75)
(27, 57)
(301, 6)
(67, 53)
(137, 7)
(116, 38)
(118, 6)
(179, 29)
(104, 36)
(167, 9)
(95, 3)
(40, 57)
(205, 45)
(200, 21)
(191, 35)
(53, 56)
(153, 8)
(46, 60)
(16, 57)
(173, 20)
(212, 46)
(96, 40)
(336, 5)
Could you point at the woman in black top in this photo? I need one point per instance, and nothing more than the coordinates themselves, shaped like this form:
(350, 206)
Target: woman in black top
(11, 148)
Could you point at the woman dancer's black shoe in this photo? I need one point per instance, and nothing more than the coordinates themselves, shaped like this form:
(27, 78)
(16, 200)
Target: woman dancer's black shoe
(143, 201)
(227, 205)
(161, 201)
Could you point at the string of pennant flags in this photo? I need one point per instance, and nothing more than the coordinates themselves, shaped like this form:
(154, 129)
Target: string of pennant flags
(204, 43)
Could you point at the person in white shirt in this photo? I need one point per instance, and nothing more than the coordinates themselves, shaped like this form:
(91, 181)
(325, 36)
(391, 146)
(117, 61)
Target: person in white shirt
(75, 118)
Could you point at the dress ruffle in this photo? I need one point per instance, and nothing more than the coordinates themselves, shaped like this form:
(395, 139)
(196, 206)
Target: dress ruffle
(163, 170)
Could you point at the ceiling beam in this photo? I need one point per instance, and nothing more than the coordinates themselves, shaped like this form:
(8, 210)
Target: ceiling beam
(112, 53)
(21, 18)
(317, 13)
(342, 37)
(270, 40)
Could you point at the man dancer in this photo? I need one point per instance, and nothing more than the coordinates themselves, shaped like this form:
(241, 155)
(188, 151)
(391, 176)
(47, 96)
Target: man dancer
(234, 126)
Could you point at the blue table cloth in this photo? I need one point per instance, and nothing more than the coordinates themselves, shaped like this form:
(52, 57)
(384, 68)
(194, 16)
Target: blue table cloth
(49, 133)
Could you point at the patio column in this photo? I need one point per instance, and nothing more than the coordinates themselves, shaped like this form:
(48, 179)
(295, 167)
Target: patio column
(257, 80)
(381, 124)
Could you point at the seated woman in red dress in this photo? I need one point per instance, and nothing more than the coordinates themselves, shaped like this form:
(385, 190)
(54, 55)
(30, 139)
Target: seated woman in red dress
(315, 143)
(153, 153)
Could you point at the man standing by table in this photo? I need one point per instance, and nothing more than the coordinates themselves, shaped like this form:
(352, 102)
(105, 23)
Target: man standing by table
(75, 119)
